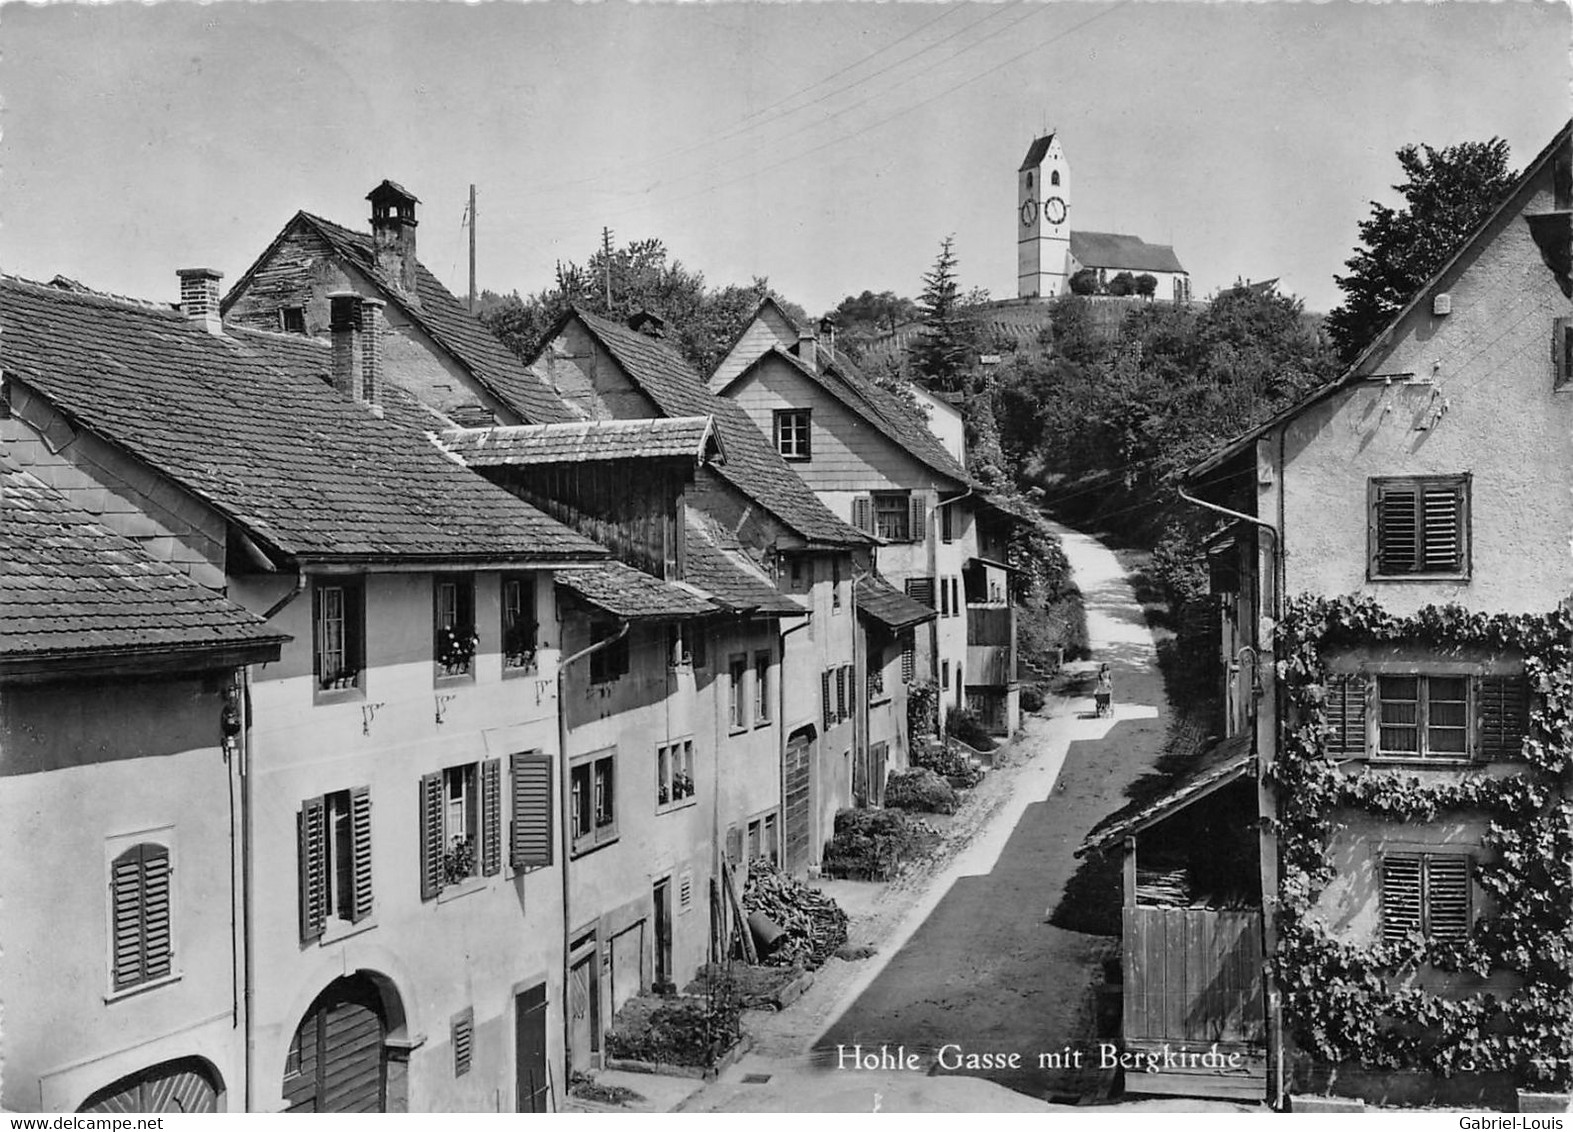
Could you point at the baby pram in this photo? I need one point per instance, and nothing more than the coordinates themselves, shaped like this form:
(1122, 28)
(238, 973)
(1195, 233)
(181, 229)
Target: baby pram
(1104, 703)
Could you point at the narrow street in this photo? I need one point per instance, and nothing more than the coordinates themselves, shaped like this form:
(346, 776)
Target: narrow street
(985, 954)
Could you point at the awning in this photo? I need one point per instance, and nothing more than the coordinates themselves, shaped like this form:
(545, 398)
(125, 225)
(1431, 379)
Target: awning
(1215, 768)
(631, 594)
(880, 601)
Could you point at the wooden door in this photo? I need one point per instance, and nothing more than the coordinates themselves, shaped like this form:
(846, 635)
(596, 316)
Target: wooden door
(337, 1061)
(1193, 975)
(798, 803)
(582, 986)
(663, 935)
(175, 1086)
(532, 1084)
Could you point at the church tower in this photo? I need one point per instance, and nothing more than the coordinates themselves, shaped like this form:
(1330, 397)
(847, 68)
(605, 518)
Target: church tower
(1043, 234)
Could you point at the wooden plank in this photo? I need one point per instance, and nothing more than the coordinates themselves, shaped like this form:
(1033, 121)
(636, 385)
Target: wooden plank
(1199, 986)
(1132, 1005)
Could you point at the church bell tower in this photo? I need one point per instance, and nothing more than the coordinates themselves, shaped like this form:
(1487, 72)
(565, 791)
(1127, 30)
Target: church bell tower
(1043, 234)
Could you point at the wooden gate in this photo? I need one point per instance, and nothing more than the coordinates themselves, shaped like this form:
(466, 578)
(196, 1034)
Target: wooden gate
(175, 1086)
(531, 1083)
(798, 799)
(336, 1062)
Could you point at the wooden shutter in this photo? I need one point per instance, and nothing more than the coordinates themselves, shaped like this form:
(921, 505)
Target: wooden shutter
(312, 830)
(851, 682)
(1502, 716)
(918, 515)
(863, 513)
(140, 894)
(1447, 895)
(824, 695)
(1401, 896)
(491, 817)
(431, 835)
(360, 831)
(909, 657)
(1346, 714)
(921, 590)
(841, 694)
(1562, 352)
(1443, 529)
(463, 1031)
(1397, 530)
(532, 810)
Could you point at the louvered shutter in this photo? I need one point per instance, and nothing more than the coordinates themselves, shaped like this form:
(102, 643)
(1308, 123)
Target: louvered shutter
(863, 514)
(463, 1031)
(921, 590)
(532, 810)
(312, 829)
(1401, 896)
(851, 682)
(140, 894)
(841, 694)
(431, 835)
(157, 931)
(1397, 530)
(824, 695)
(491, 817)
(1346, 713)
(1447, 895)
(734, 844)
(909, 658)
(360, 829)
(1562, 352)
(1443, 530)
(1503, 715)
(919, 514)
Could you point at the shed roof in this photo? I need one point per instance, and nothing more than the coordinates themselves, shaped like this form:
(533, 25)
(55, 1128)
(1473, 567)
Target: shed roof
(573, 442)
(1215, 768)
(880, 601)
(632, 594)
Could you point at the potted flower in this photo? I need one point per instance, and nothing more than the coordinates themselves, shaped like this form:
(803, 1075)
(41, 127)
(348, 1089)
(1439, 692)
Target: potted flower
(682, 785)
(455, 648)
(458, 860)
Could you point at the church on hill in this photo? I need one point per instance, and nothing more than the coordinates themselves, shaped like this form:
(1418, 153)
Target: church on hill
(1050, 250)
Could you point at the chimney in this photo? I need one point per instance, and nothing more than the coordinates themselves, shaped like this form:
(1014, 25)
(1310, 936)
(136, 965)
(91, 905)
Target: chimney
(393, 236)
(199, 297)
(827, 331)
(808, 348)
(356, 325)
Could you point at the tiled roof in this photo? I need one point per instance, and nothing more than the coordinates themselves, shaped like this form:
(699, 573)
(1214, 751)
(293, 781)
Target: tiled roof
(881, 601)
(631, 594)
(719, 567)
(459, 332)
(1122, 253)
(752, 465)
(1217, 766)
(69, 585)
(271, 447)
(661, 438)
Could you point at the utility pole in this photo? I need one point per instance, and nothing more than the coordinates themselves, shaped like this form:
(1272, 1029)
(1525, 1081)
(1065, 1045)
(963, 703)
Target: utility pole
(472, 249)
(606, 264)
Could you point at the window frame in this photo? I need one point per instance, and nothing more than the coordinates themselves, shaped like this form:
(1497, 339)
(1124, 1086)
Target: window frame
(761, 690)
(1377, 490)
(794, 434)
(596, 768)
(514, 620)
(885, 505)
(674, 759)
(1422, 725)
(484, 819)
(460, 640)
(738, 693)
(1423, 858)
(349, 682)
(292, 314)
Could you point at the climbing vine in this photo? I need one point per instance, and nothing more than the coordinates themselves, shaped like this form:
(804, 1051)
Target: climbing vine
(1348, 1002)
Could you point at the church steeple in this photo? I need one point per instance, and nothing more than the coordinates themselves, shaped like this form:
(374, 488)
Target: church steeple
(1043, 232)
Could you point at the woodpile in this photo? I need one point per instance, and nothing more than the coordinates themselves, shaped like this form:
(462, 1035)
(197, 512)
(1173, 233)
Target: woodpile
(813, 924)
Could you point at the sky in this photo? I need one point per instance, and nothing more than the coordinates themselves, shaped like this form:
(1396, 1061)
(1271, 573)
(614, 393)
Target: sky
(828, 146)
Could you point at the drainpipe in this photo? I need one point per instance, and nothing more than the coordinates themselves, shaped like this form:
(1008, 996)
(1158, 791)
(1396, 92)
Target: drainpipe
(278, 606)
(565, 840)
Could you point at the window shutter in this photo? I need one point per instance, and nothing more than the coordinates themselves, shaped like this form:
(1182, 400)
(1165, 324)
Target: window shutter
(1397, 530)
(463, 1028)
(841, 694)
(1503, 716)
(921, 590)
(532, 810)
(316, 635)
(157, 931)
(1346, 713)
(312, 827)
(1443, 536)
(1447, 895)
(908, 659)
(491, 817)
(863, 514)
(360, 828)
(431, 835)
(919, 513)
(139, 891)
(851, 682)
(824, 691)
(1401, 896)
(734, 844)
(1562, 352)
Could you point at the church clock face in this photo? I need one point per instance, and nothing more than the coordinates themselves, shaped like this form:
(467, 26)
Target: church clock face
(1054, 210)
(1029, 212)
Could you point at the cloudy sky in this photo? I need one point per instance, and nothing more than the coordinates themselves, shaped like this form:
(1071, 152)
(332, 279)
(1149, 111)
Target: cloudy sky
(829, 146)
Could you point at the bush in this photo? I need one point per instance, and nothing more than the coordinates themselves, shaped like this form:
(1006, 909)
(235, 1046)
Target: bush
(920, 789)
(965, 725)
(1123, 284)
(922, 708)
(949, 763)
(1032, 698)
(687, 1031)
(871, 843)
(1146, 285)
(1084, 282)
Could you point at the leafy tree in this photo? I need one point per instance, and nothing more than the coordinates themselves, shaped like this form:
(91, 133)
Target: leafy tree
(1123, 284)
(1146, 285)
(946, 349)
(1447, 194)
(862, 319)
(1084, 282)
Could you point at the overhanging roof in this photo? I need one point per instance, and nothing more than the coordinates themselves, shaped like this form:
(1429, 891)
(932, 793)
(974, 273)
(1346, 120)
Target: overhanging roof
(880, 601)
(1219, 765)
(577, 442)
(631, 594)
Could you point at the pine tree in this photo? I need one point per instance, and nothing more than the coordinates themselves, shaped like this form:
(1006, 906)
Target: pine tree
(945, 350)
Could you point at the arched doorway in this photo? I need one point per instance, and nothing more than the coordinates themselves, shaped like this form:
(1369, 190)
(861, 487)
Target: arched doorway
(184, 1085)
(337, 1060)
(797, 783)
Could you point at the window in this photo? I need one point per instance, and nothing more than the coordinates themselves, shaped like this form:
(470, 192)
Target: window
(338, 635)
(461, 1032)
(461, 825)
(1562, 353)
(761, 688)
(674, 774)
(519, 623)
(142, 935)
(793, 434)
(1420, 527)
(955, 597)
(334, 860)
(1429, 716)
(921, 590)
(944, 597)
(893, 516)
(455, 640)
(944, 674)
(530, 842)
(800, 573)
(292, 320)
(835, 582)
(611, 663)
(1424, 717)
(737, 692)
(698, 646)
(1426, 893)
(947, 524)
(876, 674)
(772, 846)
(592, 801)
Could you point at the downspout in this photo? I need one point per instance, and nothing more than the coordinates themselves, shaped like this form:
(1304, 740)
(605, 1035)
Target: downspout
(565, 841)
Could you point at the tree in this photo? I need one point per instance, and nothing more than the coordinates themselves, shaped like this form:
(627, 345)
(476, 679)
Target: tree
(1447, 194)
(1122, 284)
(1084, 282)
(1146, 285)
(862, 319)
(944, 352)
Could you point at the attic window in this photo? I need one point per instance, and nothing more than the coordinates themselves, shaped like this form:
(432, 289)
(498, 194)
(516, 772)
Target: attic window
(1562, 352)
(292, 320)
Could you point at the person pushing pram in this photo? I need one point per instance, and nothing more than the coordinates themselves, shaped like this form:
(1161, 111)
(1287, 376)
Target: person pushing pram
(1103, 696)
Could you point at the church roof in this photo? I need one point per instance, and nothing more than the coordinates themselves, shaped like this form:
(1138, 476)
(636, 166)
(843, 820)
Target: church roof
(1036, 152)
(1122, 253)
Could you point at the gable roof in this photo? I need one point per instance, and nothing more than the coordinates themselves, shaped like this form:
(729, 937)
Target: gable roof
(240, 422)
(1122, 253)
(660, 438)
(753, 466)
(439, 314)
(70, 586)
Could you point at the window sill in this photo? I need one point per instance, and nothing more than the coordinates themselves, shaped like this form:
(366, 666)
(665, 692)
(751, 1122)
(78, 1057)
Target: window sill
(142, 988)
(1417, 578)
(320, 696)
(335, 930)
(445, 679)
(879, 699)
(737, 730)
(587, 845)
(761, 723)
(798, 459)
(668, 807)
(1453, 761)
(456, 891)
(509, 673)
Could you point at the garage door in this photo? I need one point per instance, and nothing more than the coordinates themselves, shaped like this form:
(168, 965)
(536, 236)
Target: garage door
(336, 1061)
(798, 803)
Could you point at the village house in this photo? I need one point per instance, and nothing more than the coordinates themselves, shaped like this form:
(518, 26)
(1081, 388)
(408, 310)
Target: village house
(1397, 625)
(401, 910)
(119, 710)
(875, 462)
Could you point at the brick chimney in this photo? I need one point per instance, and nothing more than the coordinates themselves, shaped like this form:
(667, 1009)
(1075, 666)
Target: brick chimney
(393, 236)
(199, 297)
(356, 325)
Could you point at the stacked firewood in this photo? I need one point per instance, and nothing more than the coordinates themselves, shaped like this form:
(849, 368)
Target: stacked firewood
(813, 925)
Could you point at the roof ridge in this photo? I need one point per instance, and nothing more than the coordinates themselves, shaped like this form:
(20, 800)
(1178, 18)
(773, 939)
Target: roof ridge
(83, 291)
